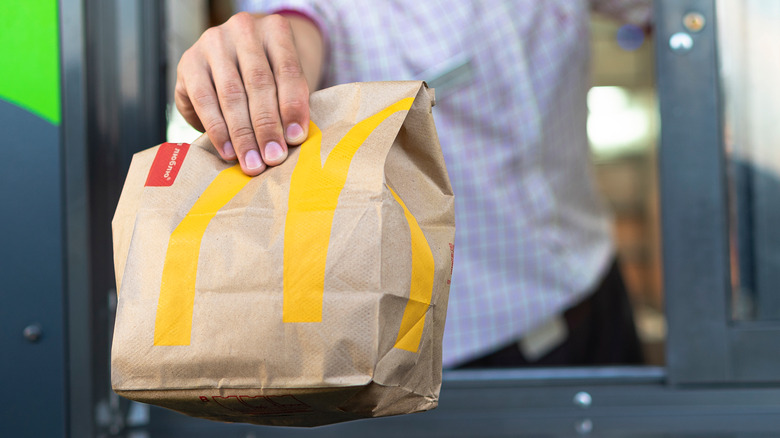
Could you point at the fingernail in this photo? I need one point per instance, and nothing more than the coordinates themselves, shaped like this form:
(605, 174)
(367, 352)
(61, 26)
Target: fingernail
(294, 132)
(228, 150)
(252, 160)
(273, 151)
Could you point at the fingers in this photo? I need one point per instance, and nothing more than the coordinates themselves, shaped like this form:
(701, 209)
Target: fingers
(260, 87)
(292, 89)
(233, 101)
(276, 88)
(197, 101)
(184, 104)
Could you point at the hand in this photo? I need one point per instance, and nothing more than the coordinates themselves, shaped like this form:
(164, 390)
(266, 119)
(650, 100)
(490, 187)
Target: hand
(245, 84)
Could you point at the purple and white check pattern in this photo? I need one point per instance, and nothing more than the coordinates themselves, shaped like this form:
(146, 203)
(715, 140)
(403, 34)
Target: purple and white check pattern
(533, 236)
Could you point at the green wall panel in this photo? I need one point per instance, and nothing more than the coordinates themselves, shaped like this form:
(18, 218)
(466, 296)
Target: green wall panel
(29, 57)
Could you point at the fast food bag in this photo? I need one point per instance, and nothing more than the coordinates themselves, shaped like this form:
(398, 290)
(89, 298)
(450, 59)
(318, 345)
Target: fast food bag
(311, 294)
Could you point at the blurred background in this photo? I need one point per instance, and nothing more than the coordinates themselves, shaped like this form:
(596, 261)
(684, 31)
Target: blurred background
(86, 83)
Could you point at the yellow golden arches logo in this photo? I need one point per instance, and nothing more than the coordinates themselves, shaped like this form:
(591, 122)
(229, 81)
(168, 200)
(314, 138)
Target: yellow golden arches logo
(173, 324)
(313, 198)
(314, 193)
(421, 287)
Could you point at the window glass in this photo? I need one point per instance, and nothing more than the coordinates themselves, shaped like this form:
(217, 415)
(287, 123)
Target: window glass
(748, 32)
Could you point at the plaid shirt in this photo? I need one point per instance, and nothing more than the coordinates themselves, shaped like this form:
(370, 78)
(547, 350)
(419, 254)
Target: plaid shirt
(511, 77)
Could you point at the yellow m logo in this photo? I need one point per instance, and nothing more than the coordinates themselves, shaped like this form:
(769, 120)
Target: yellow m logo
(313, 199)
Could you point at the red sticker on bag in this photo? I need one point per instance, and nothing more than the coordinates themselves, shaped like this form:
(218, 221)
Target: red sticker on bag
(166, 164)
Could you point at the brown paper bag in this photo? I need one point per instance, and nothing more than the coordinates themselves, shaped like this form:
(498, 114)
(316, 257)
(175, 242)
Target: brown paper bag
(311, 294)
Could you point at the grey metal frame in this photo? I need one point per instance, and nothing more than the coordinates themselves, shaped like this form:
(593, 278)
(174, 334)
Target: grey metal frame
(113, 104)
(612, 402)
(704, 345)
(126, 113)
(76, 228)
(694, 207)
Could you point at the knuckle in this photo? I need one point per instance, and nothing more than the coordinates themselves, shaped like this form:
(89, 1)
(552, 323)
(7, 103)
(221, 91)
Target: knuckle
(243, 22)
(277, 21)
(242, 135)
(259, 79)
(265, 121)
(179, 89)
(293, 106)
(211, 41)
(202, 97)
(183, 61)
(212, 34)
(215, 127)
(189, 62)
(232, 91)
(290, 69)
(241, 18)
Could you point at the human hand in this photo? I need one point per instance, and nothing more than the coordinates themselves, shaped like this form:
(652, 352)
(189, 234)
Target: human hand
(245, 84)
